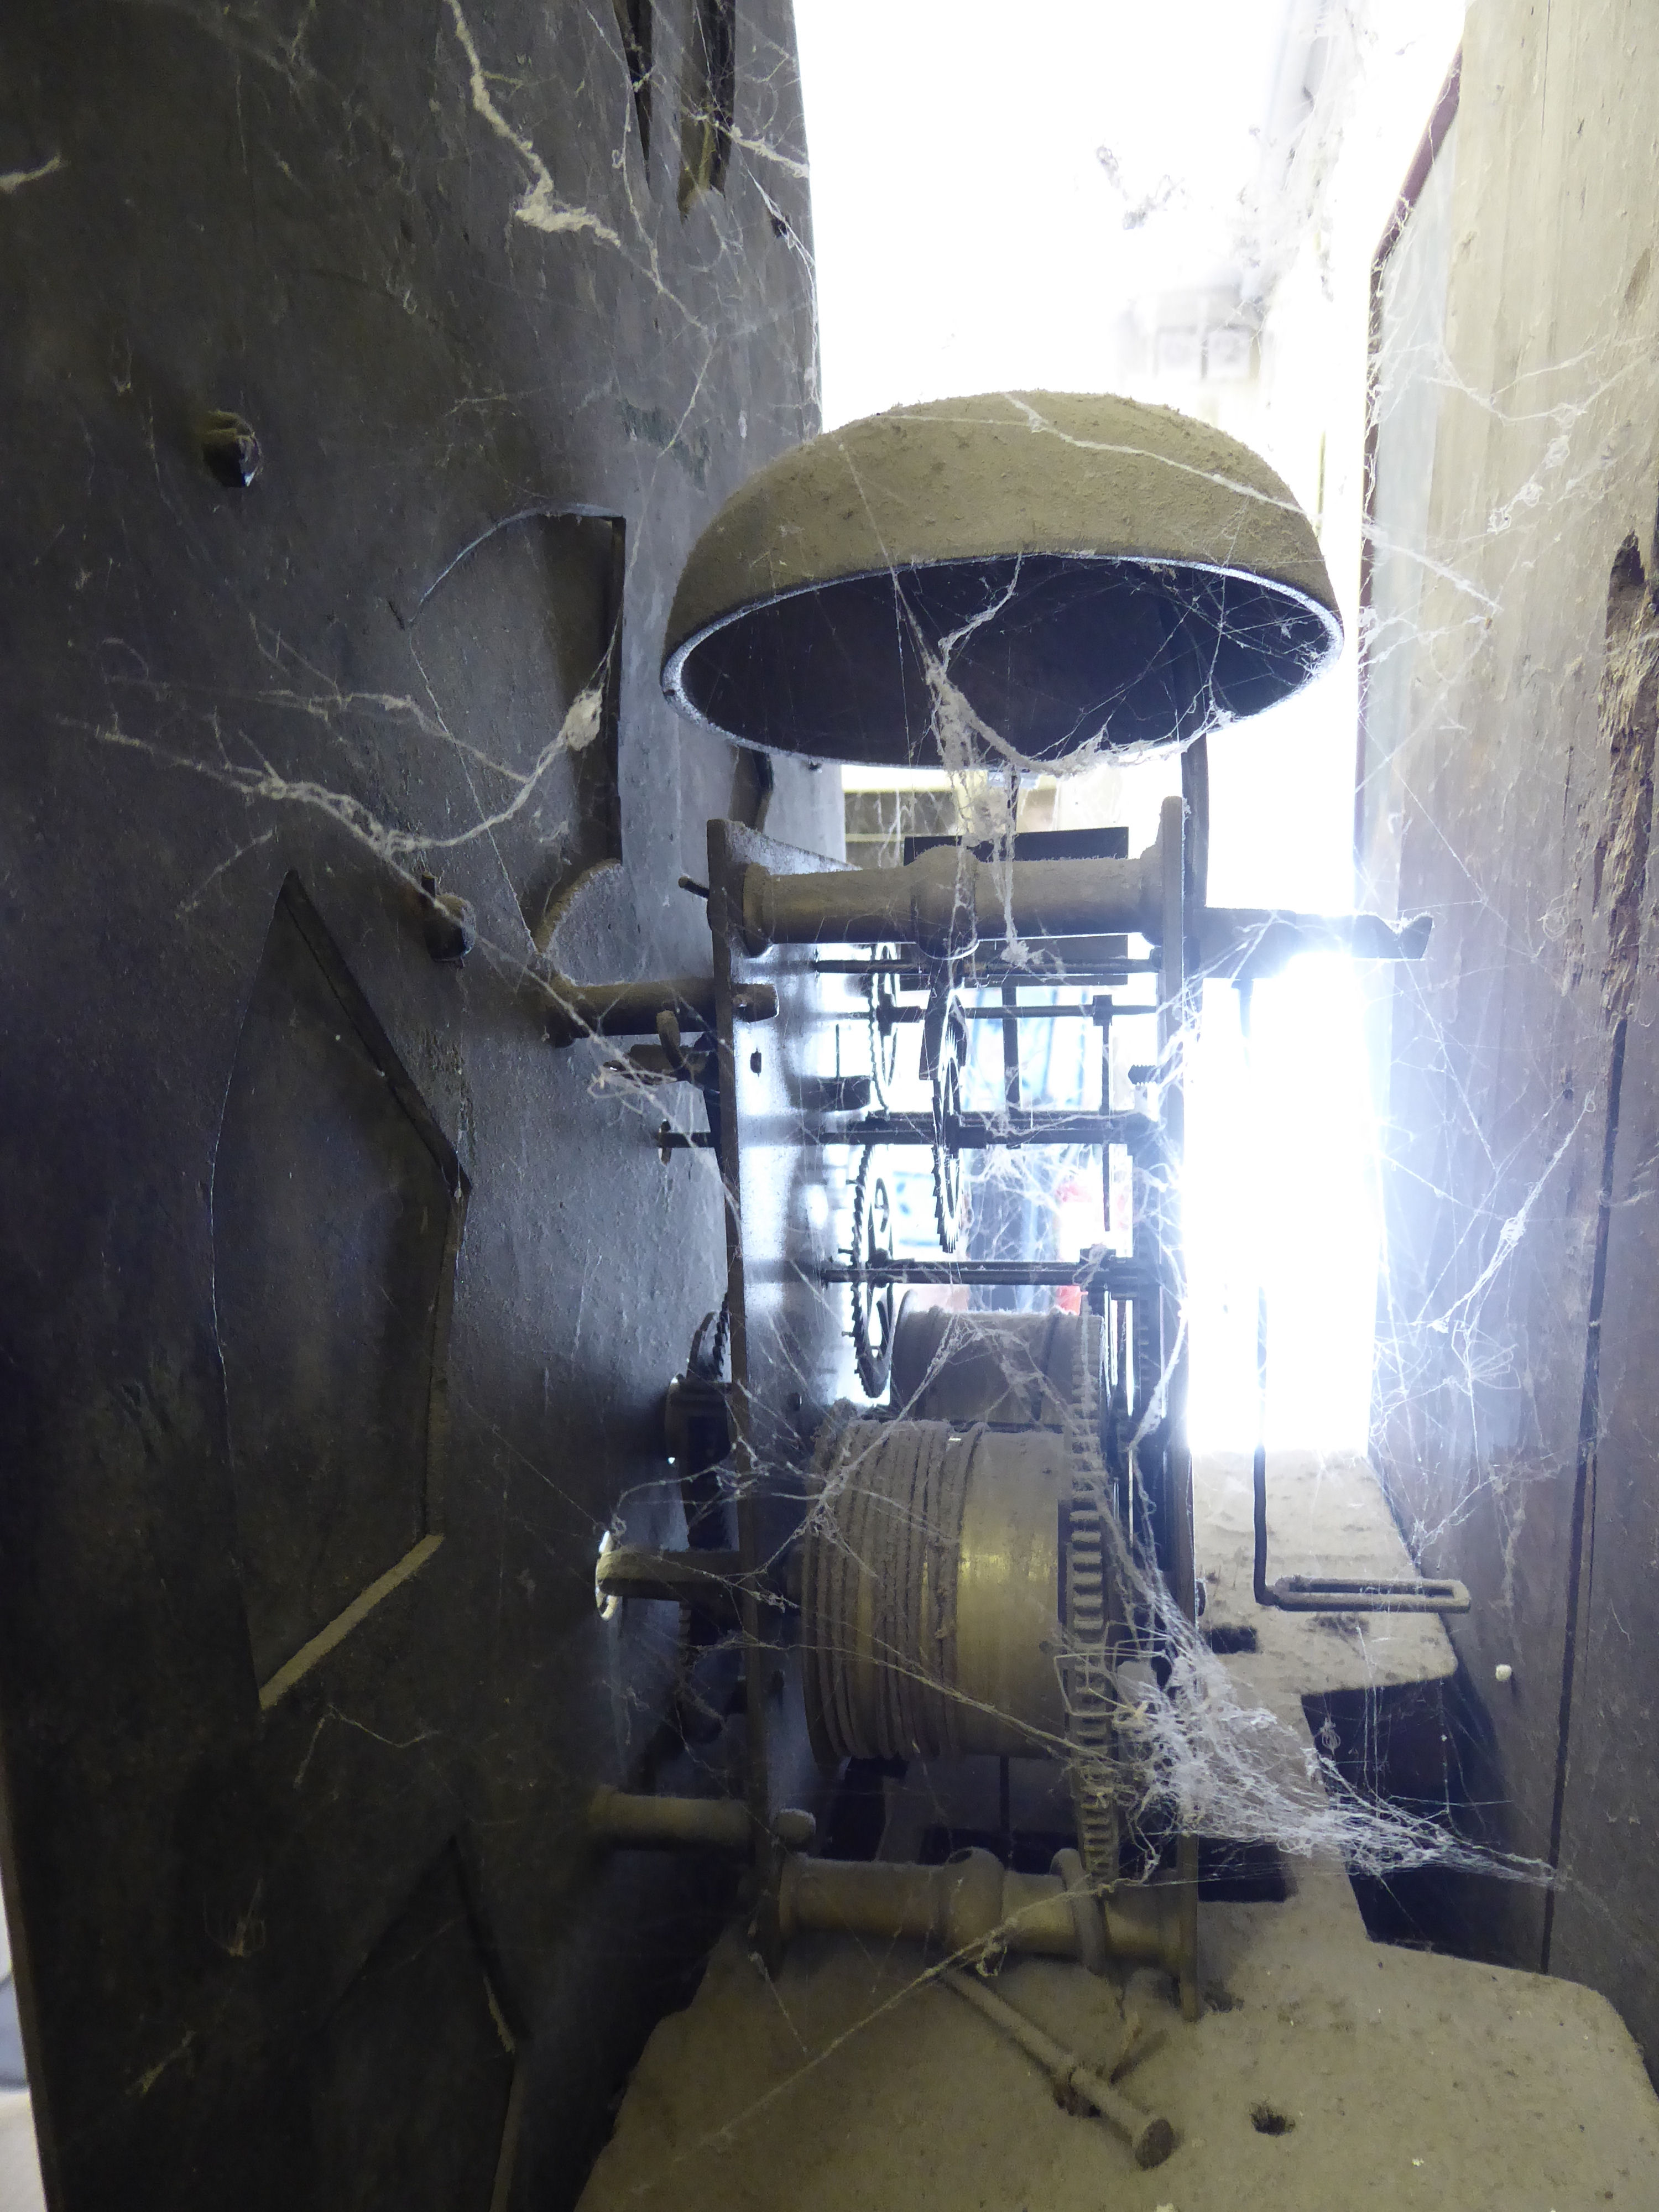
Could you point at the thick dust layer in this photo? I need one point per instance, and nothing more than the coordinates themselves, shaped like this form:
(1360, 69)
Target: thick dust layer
(1402, 2078)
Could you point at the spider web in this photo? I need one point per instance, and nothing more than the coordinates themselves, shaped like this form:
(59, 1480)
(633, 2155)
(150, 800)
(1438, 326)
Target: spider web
(1196, 1753)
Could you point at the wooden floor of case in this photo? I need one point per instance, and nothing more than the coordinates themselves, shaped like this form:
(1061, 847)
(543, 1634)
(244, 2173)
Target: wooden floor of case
(1408, 2078)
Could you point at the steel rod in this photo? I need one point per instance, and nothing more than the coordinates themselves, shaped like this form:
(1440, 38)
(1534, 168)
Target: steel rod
(890, 1017)
(631, 1009)
(629, 1820)
(1009, 1016)
(988, 976)
(622, 1818)
(1149, 2134)
(1119, 1279)
(1005, 1013)
(980, 1132)
(1312, 1593)
(706, 1579)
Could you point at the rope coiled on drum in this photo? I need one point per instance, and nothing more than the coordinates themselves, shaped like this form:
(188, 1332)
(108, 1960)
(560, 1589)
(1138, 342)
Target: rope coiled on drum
(880, 1595)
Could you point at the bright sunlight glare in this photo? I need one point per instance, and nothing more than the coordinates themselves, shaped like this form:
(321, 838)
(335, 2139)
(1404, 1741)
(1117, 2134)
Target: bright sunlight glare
(1015, 199)
(1279, 1198)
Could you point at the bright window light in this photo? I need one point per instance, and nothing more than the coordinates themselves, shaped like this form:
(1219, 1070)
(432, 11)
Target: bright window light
(1101, 196)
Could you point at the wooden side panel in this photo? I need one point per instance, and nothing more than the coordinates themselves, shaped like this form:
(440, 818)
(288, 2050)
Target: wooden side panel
(1512, 808)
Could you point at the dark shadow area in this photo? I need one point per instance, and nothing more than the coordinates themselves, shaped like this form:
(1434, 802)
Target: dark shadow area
(636, 20)
(336, 1207)
(857, 1811)
(708, 86)
(424, 2005)
(1427, 1748)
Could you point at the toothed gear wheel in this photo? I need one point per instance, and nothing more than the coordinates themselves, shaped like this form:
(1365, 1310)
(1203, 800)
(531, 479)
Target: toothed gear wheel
(950, 1050)
(884, 1034)
(1090, 1698)
(873, 1309)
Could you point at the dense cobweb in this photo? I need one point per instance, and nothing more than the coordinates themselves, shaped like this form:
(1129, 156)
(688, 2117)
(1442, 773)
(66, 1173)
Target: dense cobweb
(1294, 1139)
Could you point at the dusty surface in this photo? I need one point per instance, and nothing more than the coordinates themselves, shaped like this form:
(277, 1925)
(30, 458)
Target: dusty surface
(1408, 2079)
(1025, 473)
(1325, 1515)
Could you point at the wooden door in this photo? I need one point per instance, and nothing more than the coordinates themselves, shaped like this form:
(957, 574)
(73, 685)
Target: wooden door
(363, 388)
